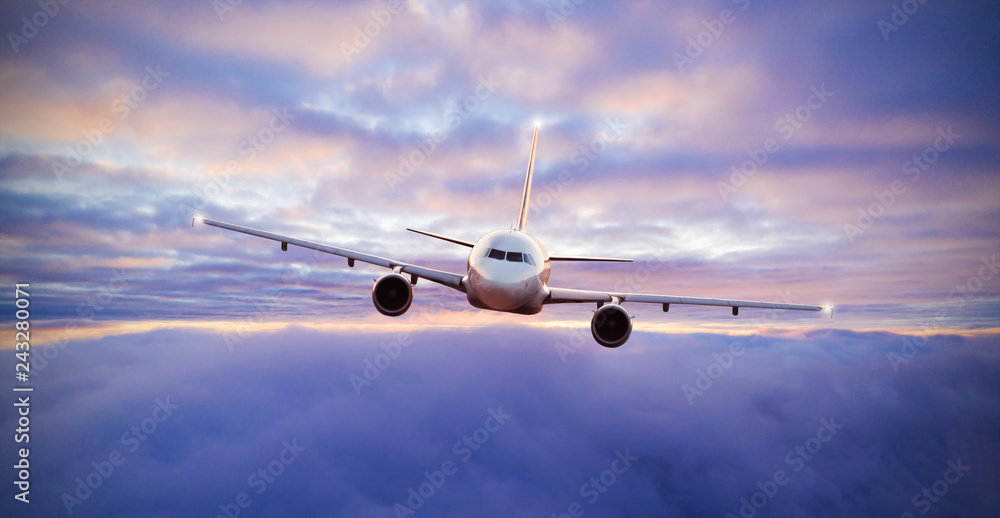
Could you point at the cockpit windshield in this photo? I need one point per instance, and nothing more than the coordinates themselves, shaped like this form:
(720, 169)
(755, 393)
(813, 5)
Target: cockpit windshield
(513, 257)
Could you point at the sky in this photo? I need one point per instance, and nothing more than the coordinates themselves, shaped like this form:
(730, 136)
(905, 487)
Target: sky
(835, 153)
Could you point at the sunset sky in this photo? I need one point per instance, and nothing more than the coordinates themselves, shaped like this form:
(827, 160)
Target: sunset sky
(841, 153)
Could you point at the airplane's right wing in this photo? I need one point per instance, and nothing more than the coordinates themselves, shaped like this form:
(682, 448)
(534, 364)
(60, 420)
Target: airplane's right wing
(584, 258)
(452, 280)
(563, 295)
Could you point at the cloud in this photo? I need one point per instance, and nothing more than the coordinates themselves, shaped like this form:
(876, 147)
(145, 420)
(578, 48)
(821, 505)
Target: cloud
(363, 451)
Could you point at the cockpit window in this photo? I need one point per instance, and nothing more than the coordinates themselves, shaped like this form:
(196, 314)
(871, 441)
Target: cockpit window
(513, 257)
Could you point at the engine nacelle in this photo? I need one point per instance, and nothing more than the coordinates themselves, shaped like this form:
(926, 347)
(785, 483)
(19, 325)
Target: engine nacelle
(611, 325)
(392, 294)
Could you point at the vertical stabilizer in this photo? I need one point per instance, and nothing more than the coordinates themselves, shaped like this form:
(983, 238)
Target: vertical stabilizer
(522, 217)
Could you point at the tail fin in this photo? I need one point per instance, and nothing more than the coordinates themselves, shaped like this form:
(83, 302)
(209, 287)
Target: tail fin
(522, 217)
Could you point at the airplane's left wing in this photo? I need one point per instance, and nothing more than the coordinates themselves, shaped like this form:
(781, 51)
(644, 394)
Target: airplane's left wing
(452, 280)
(563, 295)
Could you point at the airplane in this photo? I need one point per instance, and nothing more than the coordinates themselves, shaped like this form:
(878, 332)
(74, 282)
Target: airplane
(507, 270)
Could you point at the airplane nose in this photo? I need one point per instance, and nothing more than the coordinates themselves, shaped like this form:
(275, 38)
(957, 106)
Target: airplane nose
(500, 294)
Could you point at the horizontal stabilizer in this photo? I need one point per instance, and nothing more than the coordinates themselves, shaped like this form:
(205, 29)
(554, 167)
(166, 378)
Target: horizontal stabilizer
(444, 238)
(579, 258)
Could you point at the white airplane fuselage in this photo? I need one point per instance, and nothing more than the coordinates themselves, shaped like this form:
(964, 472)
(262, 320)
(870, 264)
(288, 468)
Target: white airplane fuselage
(507, 271)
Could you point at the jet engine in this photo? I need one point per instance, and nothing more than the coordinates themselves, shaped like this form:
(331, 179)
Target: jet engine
(611, 325)
(392, 294)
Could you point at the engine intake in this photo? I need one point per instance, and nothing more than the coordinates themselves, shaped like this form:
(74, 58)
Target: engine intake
(611, 325)
(392, 294)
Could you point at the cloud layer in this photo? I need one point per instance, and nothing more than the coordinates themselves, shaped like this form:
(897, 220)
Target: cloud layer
(366, 443)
